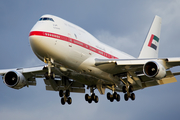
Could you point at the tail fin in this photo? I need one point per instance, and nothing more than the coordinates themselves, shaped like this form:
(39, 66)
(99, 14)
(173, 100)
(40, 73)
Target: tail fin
(151, 45)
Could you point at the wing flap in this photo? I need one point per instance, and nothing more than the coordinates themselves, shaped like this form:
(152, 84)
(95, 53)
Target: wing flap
(57, 85)
(171, 62)
(168, 79)
(122, 66)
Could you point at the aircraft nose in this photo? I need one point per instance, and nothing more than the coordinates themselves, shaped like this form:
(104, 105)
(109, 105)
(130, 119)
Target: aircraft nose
(35, 37)
(35, 42)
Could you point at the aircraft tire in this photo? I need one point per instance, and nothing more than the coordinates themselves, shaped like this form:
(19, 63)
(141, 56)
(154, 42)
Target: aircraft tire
(86, 97)
(108, 95)
(118, 98)
(126, 97)
(96, 99)
(115, 95)
(61, 93)
(69, 100)
(111, 99)
(62, 101)
(89, 100)
(132, 96)
(67, 93)
(131, 88)
(93, 96)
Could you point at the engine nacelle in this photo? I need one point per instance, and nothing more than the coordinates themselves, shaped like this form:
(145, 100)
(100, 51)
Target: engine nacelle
(154, 69)
(14, 79)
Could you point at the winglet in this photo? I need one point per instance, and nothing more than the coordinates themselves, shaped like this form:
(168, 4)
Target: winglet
(151, 45)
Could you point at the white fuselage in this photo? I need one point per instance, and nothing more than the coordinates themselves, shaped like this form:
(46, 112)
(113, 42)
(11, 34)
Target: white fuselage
(71, 46)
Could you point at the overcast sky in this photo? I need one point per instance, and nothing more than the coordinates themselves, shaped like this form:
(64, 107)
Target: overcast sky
(121, 24)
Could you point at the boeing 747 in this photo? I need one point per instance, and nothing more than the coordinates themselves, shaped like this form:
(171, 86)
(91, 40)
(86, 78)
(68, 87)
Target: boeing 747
(76, 60)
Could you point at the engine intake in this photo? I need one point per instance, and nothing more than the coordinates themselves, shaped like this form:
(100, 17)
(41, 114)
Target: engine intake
(154, 69)
(14, 79)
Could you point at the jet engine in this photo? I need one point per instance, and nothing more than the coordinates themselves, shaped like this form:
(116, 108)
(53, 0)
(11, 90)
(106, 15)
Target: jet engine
(154, 69)
(14, 79)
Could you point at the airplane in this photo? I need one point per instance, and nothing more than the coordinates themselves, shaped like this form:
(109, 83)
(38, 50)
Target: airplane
(75, 61)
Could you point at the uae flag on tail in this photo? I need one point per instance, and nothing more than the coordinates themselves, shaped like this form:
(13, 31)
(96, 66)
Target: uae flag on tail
(153, 42)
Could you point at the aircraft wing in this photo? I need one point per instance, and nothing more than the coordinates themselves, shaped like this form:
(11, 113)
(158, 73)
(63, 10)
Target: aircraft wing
(124, 65)
(131, 70)
(32, 70)
(27, 76)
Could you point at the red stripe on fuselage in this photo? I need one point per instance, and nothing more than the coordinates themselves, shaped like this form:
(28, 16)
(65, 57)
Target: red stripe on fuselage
(70, 40)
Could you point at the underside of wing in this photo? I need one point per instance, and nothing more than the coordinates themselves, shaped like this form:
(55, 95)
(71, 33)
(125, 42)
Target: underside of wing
(141, 73)
(21, 77)
(148, 82)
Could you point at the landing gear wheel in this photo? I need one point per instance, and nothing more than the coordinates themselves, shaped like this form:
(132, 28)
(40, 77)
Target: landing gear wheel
(111, 99)
(96, 99)
(108, 95)
(69, 100)
(90, 100)
(67, 94)
(131, 88)
(61, 93)
(93, 96)
(86, 97)
(132, 96)
(115, 95)
(124, 89)
(126, 97)
(118, 97)
(62, 101)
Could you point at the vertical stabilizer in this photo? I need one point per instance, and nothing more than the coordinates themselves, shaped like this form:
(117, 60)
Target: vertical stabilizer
(151, 45)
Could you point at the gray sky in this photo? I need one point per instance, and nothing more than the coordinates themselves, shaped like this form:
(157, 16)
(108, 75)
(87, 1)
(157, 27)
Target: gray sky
(121, 24)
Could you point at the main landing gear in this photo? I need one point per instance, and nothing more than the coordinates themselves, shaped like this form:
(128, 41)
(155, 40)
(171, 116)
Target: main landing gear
(113, 96)
(128, 90)
(65, 97)
(128, 93)
(92, 97)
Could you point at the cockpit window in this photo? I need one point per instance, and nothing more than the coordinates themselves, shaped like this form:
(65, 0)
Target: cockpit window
(46, 18)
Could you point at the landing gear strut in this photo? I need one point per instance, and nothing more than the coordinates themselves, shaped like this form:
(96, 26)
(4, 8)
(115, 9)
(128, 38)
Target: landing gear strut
(49, 74)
